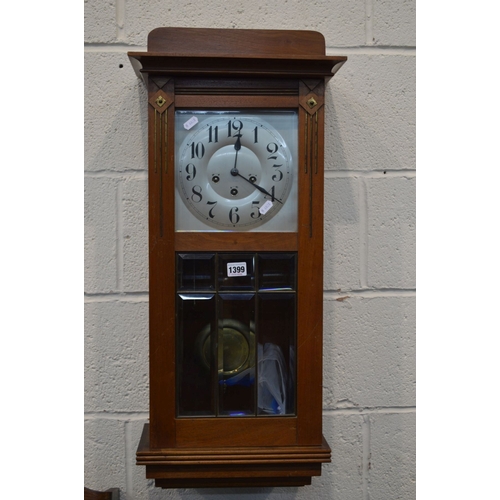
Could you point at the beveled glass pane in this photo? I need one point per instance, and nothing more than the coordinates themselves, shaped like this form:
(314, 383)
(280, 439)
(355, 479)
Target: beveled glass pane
(236, 271)
(277, 271)
(236, 354)
(196, 271)
(276, 350)
(196, 343)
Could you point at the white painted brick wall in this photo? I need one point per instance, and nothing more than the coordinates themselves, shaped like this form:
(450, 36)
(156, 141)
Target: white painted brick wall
(342, 23)
(392, 455)
(100, 21)
(100, 234)
(342, 234)
(369, 346)
(369, 351)
(116, 355)
(391, 232)
(370, 115)
(394, 22)
(135, 234)
(115, 115)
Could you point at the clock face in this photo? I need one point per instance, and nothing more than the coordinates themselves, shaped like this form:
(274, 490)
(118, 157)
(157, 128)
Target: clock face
(236, 171)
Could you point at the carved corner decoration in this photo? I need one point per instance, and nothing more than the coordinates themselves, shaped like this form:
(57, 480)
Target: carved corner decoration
(312, 95)
(311, 99)
(161, 102)
(160, 82)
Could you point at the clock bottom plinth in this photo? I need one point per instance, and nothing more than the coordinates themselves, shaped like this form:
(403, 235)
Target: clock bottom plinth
(228, 482)
(232, 467)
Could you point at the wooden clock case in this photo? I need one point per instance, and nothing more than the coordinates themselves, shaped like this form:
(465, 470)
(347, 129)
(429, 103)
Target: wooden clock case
(234, 69)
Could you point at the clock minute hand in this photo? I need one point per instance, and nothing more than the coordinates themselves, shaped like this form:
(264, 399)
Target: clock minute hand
(235, 172)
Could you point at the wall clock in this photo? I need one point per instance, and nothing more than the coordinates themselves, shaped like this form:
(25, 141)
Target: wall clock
(236, 152)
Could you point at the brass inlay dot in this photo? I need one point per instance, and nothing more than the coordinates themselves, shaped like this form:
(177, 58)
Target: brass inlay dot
(312, 102)
(160, 101)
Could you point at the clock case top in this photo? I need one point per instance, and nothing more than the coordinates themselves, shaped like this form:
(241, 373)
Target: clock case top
(236, 53)
(188, 68)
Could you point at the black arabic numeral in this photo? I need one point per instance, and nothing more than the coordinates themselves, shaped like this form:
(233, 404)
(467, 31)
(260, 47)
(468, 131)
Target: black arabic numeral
(213, 134)
(256, 135)
(211, 211)
(233, 216)
(236, 125)
(272, 148)
(191, 172)
(197, 150)
(272, 193)
(275, 177)
(255, 213)
(196, 196)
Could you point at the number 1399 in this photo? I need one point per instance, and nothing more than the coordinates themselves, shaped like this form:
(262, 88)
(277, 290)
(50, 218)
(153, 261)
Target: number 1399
(237, 269)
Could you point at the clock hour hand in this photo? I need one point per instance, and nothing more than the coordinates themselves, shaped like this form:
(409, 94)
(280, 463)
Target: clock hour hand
(237, 147)
(235, 172)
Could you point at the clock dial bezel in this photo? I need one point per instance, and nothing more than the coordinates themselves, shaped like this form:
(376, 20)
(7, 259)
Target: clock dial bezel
(236, 170)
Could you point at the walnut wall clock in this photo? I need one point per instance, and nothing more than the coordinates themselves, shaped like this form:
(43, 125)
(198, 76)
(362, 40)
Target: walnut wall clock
(236, 152)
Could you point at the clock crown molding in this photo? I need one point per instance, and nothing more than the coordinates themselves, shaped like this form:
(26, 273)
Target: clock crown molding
(234, 42)
(235, 53)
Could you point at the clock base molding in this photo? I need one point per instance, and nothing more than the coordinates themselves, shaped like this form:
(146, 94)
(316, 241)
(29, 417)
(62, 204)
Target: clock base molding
(231, 466)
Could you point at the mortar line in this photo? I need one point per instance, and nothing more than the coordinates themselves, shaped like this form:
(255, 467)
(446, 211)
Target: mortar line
(376, 410)
(116, 297)
(363, 234)
(393, 50)
(126, 416)
(370, 174)
(122, 47)
(143, 296)
(330, 295)
(119, 237)
(373, 50)
(329, 174)
(368, 293)
(111, 174)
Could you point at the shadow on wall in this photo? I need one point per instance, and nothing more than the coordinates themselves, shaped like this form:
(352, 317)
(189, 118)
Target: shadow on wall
(115, 143)
(304, 493)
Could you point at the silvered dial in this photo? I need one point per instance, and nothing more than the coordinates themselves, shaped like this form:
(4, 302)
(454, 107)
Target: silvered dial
(233, 171)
